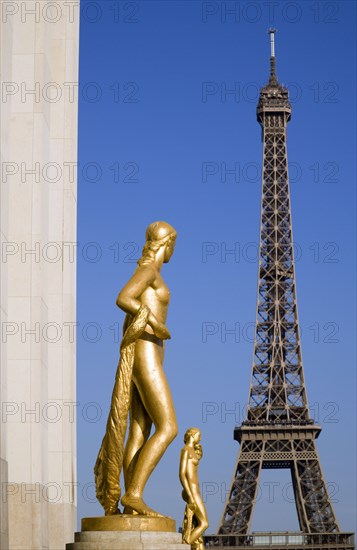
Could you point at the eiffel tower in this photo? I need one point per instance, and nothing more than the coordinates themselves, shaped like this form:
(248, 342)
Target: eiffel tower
(278, 431)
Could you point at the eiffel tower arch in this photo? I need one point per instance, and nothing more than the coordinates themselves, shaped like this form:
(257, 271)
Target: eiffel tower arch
(278, 431)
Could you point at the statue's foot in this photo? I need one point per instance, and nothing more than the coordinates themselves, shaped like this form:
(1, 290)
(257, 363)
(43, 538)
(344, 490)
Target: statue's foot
(133, 504)
(185, 539)
(112, 512)
(128, 510)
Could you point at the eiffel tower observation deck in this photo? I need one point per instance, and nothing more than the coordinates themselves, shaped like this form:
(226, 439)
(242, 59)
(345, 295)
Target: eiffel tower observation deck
(278, 431)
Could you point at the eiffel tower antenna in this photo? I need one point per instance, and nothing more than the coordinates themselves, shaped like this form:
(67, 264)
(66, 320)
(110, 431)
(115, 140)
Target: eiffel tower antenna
(272, 56)
(272, 50)
(278, 431)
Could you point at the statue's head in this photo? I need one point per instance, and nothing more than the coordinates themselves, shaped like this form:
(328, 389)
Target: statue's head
(158, 231)
(194, 433)
(158, 235)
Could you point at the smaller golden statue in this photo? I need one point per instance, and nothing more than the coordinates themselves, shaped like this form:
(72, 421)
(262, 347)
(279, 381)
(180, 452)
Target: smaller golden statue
(195, 520)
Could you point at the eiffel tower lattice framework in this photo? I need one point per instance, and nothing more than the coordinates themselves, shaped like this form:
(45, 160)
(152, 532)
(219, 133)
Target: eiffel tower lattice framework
(278, 431)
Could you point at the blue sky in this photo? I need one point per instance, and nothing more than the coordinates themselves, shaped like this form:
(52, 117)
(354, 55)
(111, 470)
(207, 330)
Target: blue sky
(160, 133)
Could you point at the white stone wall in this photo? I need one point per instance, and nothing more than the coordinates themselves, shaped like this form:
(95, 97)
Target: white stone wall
(39, 54)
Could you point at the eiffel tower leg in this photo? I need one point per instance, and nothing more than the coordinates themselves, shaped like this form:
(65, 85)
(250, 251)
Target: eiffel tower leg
(313, 503)
(237, 513)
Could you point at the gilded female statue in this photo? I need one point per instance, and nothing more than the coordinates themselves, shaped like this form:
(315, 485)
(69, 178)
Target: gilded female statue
(195, 520)
(141, 386)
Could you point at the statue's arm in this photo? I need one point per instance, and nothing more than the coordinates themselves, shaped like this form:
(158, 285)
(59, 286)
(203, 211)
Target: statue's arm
(128, 298)
(183, 474)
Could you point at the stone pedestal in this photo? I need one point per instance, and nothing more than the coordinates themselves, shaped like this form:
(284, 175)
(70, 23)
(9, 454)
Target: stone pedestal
(127, 532)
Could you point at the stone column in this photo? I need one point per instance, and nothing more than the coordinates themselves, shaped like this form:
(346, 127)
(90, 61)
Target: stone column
(39, 72)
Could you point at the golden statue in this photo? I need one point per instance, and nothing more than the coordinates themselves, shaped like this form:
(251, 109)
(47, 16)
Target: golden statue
(195, 521)
(141, 389)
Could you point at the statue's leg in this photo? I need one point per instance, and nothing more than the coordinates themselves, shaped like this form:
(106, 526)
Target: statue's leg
(154, 391)
(201, 519)
(139, 431)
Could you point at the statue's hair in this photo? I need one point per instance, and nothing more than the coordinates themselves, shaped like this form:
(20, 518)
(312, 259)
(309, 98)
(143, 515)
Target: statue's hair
(157, 235)
(190, 433)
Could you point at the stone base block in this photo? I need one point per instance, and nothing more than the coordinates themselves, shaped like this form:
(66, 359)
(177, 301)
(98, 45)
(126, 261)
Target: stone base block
(128, 532)
(129, 522)
(127, 540)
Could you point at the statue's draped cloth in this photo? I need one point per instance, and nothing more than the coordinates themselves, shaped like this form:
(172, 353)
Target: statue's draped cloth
(109, 463)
